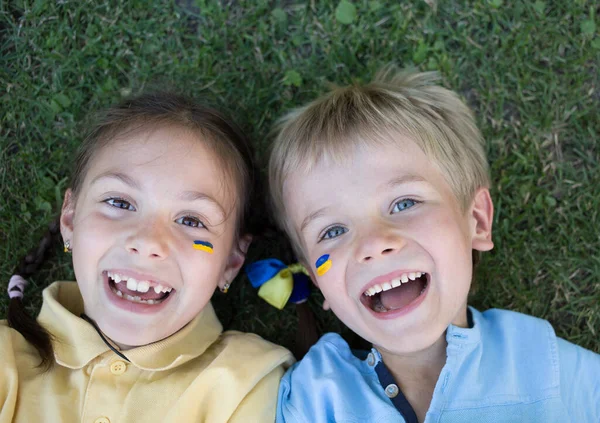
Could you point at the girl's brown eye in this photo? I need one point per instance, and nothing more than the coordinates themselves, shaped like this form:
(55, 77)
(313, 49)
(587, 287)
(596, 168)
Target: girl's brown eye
(119, 203)
(191, 221)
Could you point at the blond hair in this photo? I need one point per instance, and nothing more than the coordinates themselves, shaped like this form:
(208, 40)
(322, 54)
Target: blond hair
(393, 103)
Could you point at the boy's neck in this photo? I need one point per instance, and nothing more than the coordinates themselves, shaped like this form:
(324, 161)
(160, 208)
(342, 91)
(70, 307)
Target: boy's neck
(418, 366)
(417, 373)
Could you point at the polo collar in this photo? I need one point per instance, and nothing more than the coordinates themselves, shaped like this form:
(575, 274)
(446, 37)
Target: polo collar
(76, 342)
(458, 339)
(465, 339)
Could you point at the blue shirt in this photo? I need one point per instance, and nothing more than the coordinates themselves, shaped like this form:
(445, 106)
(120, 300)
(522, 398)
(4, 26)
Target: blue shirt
(507, 367)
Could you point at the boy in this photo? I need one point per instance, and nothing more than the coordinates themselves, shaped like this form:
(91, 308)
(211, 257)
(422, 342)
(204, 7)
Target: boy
(383, 190)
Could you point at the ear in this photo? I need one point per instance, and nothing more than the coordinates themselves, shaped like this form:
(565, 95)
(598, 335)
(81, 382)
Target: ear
(67, 215)
(236, 260)
(482, 216)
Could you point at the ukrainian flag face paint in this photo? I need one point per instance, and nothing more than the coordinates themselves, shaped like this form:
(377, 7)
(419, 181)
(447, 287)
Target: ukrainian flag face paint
(323, 264)
(203, 246)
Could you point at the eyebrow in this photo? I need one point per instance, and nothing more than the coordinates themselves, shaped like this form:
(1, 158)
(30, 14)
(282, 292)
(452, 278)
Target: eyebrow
(405, 179)
(196, 195)
(314, 215)
(126, 179)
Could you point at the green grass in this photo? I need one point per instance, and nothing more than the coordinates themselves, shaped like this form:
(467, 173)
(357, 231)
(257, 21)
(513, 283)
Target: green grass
(529, 69)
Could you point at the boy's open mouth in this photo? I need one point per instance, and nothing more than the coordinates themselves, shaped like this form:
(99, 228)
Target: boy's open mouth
(143, 292)
(396, 293)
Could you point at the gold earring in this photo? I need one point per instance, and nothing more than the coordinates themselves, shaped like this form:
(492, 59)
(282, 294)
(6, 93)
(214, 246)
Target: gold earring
(67, 246)
(225, 288)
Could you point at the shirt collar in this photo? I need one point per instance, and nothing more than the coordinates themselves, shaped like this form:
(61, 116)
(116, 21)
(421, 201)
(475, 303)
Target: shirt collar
(76, 342)
(464, 339)
(458, 339)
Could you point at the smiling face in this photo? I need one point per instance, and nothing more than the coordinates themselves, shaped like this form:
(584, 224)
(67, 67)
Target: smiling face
(399, 244)
(144, 202)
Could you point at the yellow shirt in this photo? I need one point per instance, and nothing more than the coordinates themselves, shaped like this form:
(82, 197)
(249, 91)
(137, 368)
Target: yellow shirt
(199, 374)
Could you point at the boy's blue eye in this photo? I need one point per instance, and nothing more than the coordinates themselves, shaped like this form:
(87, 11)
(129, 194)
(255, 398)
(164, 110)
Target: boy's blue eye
(334, 232)
(120, 204)
(401, 205)
(190, 221)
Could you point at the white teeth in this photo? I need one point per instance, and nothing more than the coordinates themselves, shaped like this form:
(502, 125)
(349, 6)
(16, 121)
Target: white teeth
(139, 286)
(134, 299)
(393, 283)
(132, 284)
(160, 288)
(143, 286)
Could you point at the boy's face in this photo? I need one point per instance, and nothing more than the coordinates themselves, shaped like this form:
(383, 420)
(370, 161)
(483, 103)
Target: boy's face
(384, 218)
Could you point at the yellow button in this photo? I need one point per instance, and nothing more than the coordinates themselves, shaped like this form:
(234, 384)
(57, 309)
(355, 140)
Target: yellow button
(102, 420)
(117, 368)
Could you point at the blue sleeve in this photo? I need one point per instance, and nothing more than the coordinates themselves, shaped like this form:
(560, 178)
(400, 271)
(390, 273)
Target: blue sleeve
(579, 381)
(286, 409)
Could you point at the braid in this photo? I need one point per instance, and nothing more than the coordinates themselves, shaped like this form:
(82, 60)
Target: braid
(17, 316)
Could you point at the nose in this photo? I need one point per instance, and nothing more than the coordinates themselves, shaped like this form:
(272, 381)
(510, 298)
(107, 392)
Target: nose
(149, 240)
(377, 242)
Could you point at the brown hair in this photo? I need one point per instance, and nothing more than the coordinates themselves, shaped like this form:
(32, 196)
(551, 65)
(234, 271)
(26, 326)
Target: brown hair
(146, 111)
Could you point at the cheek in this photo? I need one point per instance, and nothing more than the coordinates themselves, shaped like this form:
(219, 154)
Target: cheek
(194, 262)
(92, 236)
(94, 228)
(333, 285)
(447, 227)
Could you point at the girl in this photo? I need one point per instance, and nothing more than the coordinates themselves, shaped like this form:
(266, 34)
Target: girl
(155, 221)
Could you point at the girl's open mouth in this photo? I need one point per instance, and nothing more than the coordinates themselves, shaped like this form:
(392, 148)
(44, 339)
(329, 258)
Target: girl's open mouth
(142, 292)
(396, 293)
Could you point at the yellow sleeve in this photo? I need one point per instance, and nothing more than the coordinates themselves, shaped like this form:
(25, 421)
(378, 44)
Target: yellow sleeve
(261, 402)
(9, 381)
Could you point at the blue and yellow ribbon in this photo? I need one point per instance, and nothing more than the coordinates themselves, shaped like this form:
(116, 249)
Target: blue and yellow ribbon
(279, 284)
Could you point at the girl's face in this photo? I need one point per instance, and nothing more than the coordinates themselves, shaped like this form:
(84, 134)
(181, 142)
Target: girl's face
(145, 200)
